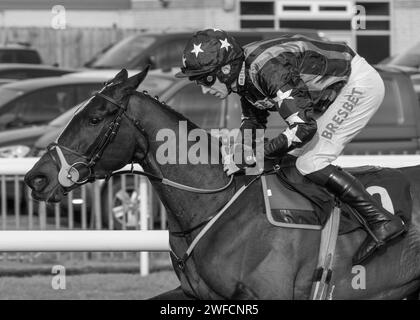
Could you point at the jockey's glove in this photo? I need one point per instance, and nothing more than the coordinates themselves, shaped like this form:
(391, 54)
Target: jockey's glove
(276, 148)
(265, 104)
(237, 158)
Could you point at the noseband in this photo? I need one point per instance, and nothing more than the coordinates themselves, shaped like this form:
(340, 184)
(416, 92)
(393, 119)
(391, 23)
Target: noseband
(72, 175)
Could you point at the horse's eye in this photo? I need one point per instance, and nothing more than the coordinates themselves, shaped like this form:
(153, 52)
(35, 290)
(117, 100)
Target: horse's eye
(94, 121)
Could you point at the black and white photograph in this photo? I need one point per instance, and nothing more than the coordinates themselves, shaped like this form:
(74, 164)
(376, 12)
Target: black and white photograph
(173, 151)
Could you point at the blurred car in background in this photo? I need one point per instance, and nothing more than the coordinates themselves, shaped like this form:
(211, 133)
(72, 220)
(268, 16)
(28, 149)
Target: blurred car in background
(416, 84)
(10, 72)
(164, 50)
(19, 53)
(409, 58)
(38, 101)
(20, 139)
(407, 61)
(156, 83)
(413, 73)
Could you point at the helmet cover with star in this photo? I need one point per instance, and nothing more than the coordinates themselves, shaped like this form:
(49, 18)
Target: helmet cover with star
(207, 51)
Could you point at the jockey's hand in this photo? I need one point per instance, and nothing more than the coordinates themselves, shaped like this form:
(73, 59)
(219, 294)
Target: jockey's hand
(234, 158)
(265, 104)
(229, 166)
(243, 155)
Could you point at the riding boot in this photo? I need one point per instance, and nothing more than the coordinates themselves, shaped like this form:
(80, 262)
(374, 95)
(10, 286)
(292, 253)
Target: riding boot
(384, 225)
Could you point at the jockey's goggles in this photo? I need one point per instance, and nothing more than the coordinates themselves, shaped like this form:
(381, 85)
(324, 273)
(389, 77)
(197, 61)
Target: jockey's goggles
(207, 80)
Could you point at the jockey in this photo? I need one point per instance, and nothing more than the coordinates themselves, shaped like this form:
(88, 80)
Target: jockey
(324, 91)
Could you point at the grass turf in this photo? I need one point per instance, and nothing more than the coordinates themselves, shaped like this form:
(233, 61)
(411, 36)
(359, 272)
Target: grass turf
(89, 286)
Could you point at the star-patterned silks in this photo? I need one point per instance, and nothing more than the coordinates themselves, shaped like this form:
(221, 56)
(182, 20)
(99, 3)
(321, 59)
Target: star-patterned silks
(294, 118)
(283, 96)
(197, 49)
(291, 135)
(225, 44)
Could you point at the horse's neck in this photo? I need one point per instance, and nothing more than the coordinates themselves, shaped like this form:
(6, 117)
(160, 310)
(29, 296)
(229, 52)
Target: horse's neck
(185, 208)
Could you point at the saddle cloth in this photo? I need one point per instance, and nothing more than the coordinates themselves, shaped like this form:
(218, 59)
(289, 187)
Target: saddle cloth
(295, 200)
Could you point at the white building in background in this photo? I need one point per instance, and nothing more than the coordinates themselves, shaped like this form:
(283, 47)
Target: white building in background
(389, 26)
(364, 24)
(143, 14)
(375, 28)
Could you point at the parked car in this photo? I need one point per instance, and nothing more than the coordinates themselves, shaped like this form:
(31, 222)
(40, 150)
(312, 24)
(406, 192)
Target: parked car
(10, 72)
(408, 58)
(164, 50)
(19, 53)
(407, 61)
(156, 83)
(413, 73)
(16, 141)
(38, 101)
(393, 129)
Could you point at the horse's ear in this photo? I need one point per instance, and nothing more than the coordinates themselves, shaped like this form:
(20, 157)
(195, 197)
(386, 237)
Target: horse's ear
(134, 81)
(121, 76)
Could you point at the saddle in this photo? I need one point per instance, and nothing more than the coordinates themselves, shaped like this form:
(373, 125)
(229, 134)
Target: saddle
(295, 201)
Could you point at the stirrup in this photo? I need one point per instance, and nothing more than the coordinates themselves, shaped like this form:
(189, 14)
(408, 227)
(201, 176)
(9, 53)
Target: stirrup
(367, 227)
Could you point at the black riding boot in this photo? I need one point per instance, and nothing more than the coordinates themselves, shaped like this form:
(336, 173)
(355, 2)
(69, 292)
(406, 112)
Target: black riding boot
(384, 225)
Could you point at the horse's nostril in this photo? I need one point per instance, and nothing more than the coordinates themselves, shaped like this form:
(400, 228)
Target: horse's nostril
(39, 183)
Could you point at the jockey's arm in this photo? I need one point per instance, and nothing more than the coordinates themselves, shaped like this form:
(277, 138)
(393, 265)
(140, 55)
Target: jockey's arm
(301, 128)
(252, 118)
(281, 83)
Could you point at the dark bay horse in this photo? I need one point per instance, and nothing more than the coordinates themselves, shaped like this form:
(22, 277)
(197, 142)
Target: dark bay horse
(242, 256)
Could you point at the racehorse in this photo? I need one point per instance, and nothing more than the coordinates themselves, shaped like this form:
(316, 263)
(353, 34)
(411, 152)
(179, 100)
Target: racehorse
(242, 256)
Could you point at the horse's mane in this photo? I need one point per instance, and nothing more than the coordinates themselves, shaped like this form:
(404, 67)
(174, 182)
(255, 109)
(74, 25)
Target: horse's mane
(169, 109)
(177, 115)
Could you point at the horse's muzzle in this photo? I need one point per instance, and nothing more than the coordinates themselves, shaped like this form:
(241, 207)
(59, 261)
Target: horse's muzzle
(36, 182)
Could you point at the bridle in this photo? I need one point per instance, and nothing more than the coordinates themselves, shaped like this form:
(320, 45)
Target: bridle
(71, 176)
(78, 173)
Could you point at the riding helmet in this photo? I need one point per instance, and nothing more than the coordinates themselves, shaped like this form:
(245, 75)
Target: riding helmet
(207, 51)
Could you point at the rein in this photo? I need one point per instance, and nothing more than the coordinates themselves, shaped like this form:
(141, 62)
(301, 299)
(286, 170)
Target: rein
(173, 183)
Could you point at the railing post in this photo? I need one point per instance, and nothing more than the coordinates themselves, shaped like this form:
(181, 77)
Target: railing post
(144, 212)
(97, 209)
(42, 211)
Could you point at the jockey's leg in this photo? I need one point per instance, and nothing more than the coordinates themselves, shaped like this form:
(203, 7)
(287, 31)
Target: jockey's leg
(384, 225)
(357, 102)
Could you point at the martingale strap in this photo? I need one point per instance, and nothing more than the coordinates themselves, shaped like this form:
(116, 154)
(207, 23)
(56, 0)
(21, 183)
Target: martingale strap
(181, 261)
